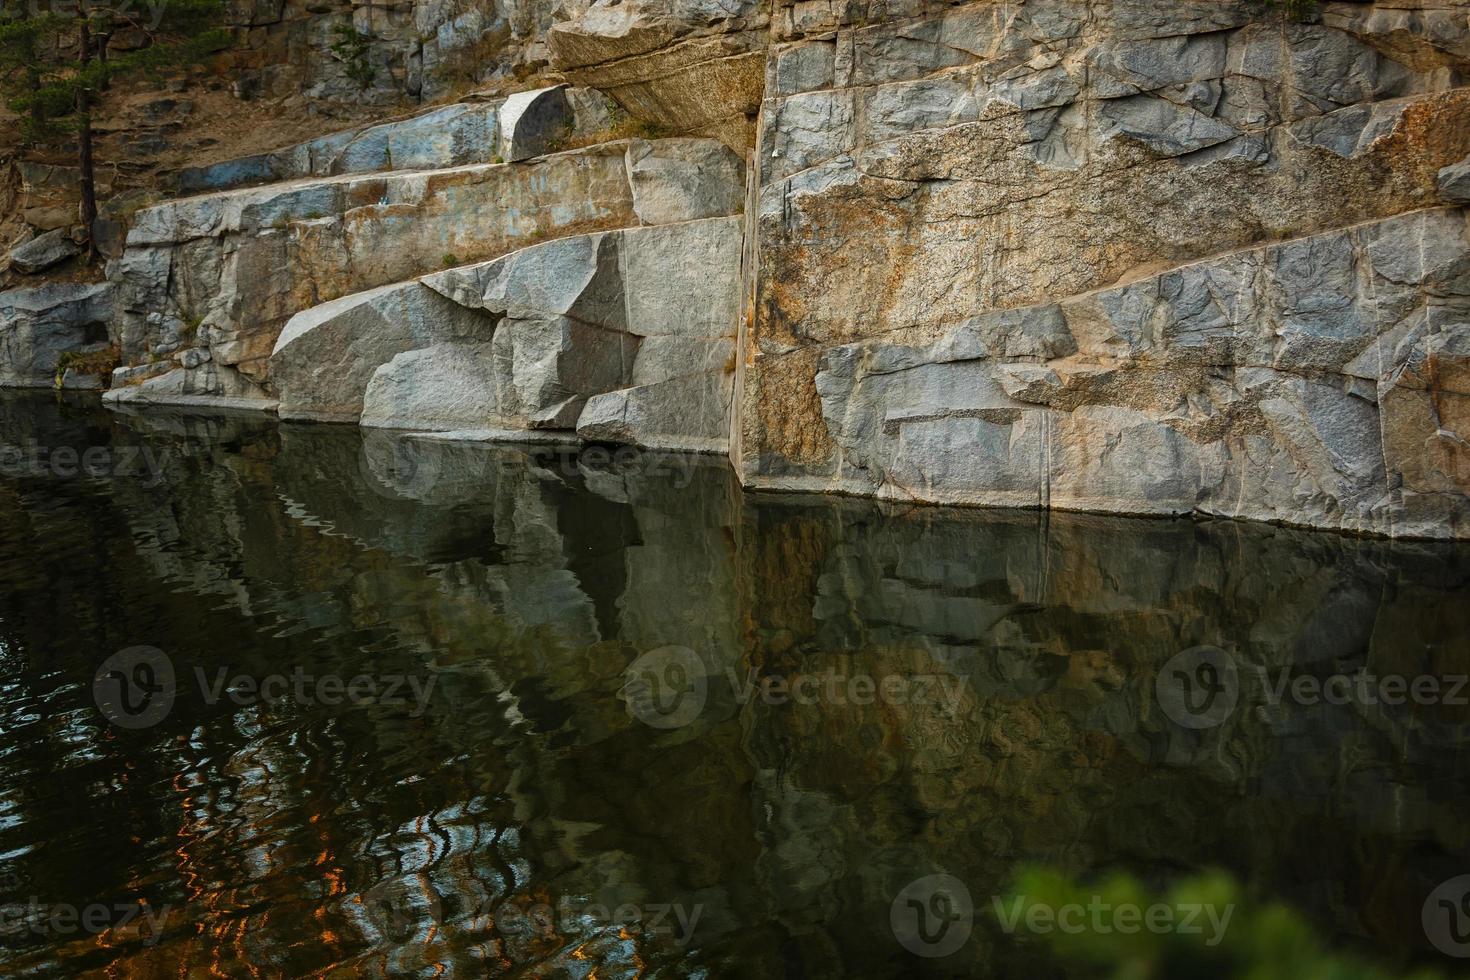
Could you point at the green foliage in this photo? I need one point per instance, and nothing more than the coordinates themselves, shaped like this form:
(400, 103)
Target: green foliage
(354, 50)
(98, 362)
(1260, 941)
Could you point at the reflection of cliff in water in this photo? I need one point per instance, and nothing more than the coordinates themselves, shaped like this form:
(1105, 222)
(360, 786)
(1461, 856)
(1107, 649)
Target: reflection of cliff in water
(526, 580)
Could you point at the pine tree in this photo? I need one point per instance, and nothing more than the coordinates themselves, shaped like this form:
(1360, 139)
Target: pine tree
(56, 68)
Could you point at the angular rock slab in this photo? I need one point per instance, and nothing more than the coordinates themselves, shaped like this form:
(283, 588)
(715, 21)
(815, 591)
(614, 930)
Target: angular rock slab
(684, 180)
(39, 325)
(326, 357)
(688, 65)
(205, 385)
(532, 123)
(1320, 382)
(437, 389)
(524, 343)
(44, 251)
(690, 413)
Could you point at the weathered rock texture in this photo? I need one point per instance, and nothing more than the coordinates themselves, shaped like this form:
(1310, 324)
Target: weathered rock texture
(225, 271)
(39, 325)
(695, 66)
(945, 190)
(1319, 381)
(416, 50)
(623, 337)
(1092, 254)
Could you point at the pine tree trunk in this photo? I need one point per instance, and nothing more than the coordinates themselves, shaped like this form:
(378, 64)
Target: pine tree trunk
(84, 147)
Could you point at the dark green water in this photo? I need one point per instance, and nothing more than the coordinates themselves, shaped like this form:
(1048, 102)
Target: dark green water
(507, 804)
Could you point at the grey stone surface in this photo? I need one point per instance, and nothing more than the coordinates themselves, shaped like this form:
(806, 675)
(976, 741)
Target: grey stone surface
(39, 325)
(526, 342)
(1337, 344)
(438, 388)
(44, 251)
(533, 123)
(690, 413)
(326, 356)
(208, 385)
(684, 180)
(1454, 183)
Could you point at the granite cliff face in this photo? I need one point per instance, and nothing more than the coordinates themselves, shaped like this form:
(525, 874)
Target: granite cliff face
(1116, 256)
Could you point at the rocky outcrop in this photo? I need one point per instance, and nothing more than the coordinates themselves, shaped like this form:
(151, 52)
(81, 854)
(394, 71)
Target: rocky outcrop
(945, 191)
(1318, 382)
(225, 271)
(453, 136)
(418, 50)
(39, 326)
(44, 251)
(457, 135)
(621, 337)
(693, 66)
(1061, 253)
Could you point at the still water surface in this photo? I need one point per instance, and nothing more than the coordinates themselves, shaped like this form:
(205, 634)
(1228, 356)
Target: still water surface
(587, 687)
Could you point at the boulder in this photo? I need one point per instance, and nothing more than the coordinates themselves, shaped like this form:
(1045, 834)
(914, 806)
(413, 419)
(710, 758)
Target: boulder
(533, 123)
(690, 413)
(326, 356)
(39, 325)
(44, 251)
(439, 388)
(1454, 183)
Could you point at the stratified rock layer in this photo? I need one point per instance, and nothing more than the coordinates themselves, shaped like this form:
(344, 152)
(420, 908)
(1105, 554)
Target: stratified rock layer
(1320, 381)
(949, 194)
(624, 336)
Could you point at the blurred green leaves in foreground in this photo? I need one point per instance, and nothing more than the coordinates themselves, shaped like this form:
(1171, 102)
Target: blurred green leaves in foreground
(1203, 927)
